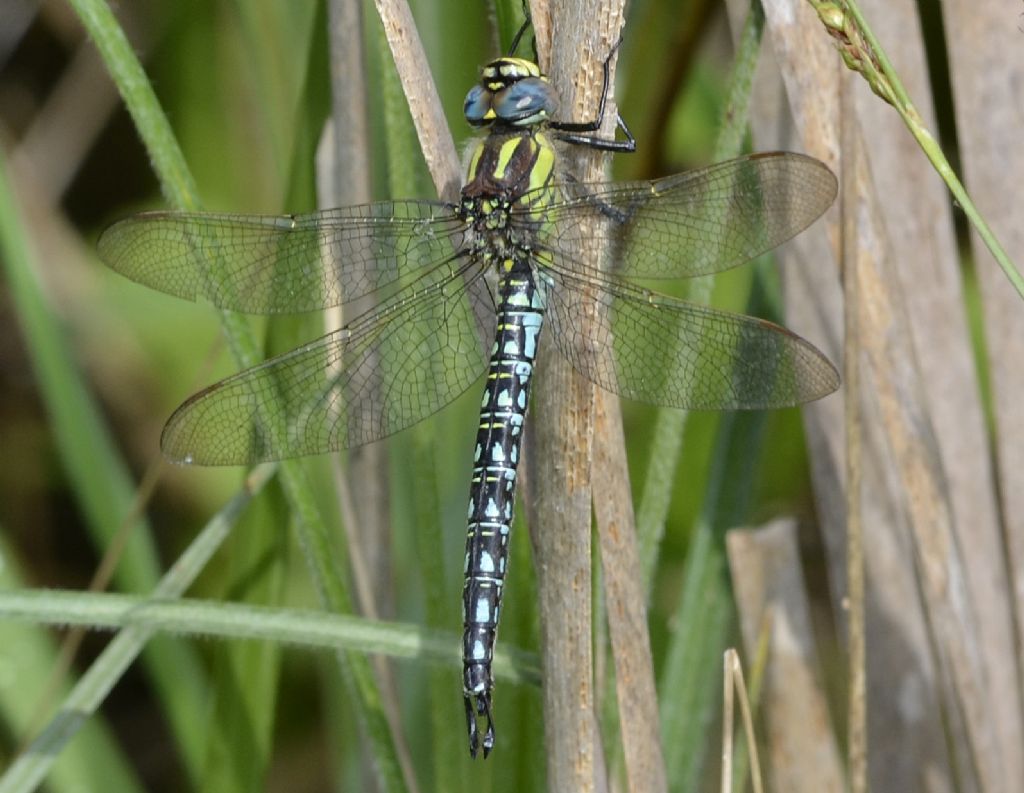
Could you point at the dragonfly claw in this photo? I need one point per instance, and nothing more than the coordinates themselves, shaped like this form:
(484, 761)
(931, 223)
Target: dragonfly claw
(479, 705)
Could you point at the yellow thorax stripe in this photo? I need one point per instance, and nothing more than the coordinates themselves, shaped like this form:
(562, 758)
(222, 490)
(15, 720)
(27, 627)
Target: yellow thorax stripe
(507, 151)
(545, 164)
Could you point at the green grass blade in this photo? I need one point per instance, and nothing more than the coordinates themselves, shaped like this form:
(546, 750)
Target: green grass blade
(330, 578)
(298, 627)
(28, 771)
(403, 163)
(246, 676)
(670, 425)
(405, 177)
(693, 663)
(99, 477)
(94, 761)
(692, 668)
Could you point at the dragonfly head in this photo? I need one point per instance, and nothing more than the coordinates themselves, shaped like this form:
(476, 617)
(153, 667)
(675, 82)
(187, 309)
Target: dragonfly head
(511, 91)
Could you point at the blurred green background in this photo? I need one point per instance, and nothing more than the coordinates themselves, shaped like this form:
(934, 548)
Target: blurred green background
(245, 86)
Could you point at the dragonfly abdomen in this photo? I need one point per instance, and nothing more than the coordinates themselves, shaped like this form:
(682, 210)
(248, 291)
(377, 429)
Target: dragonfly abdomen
(492, 492)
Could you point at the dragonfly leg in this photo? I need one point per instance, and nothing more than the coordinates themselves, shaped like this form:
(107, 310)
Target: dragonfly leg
(479, 705)
(574, 131)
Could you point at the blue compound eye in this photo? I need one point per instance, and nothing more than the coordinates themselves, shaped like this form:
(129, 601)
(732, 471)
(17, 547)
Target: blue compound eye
(477, 107)
(526, 101)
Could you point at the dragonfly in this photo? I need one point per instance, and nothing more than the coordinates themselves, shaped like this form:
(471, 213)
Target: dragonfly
(462, 291)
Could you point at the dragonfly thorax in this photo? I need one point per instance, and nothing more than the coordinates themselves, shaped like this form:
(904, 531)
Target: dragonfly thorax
(506, 168)
(506, 194)
(511, 91)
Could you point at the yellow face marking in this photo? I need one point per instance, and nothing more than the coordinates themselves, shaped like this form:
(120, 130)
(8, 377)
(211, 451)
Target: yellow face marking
(505, 71)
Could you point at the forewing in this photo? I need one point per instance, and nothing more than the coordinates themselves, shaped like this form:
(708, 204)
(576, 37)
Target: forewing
(266, 264)
(356, 385)
(663, 351)
(693, 223)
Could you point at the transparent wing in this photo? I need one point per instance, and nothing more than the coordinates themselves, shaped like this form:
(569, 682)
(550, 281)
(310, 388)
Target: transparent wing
(382, 373)
(266, 265)
(693, 223)
(663, 351)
